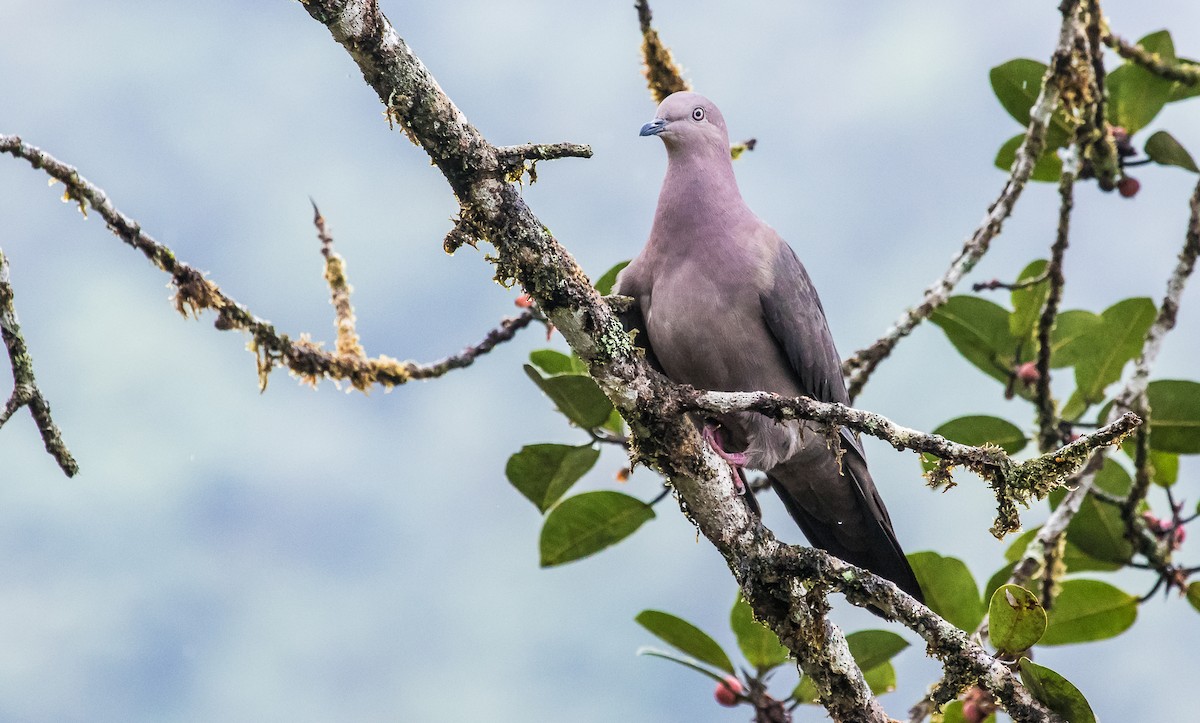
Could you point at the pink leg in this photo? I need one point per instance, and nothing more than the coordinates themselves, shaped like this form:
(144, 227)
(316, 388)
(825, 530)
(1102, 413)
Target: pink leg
(736, 460)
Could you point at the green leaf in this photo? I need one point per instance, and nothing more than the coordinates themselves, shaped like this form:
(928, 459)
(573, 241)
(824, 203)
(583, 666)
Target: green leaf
(1164, 466)
(1047, 168)
(554, 362)
(872, 648)
(978, 329)
(1183, 91)
(586, 524)
(576, 396)
(1016, 85)
(604, 284)
(1069, 339)
(544, 472)
(1056, 692)
(952, 712)
(1001, 576)
(615, 423)
(1111, 345)
(1193, 594)
(685, 637)
(759, 643)
(1174, 416)
(1089, 610)
(1135, 94)
(881, 679)
(1016, 619)
(1027, 306)
(682, 661)
(1075, 559)
(1097, 530)
(950, 590)
(977, 430)
(1163, 149)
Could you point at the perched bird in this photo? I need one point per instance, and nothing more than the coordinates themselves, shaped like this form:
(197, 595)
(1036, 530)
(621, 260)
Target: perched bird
(723, 304)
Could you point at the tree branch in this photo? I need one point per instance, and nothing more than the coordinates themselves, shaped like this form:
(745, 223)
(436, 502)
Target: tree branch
(859, 367)
(1013, 482)
(194, 293)
(528, 254)
(1048, 434)
(663, 74)
(25, 389)
(1186, 73)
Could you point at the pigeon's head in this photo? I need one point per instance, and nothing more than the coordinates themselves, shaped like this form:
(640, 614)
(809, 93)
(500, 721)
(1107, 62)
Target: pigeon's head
(689, 123)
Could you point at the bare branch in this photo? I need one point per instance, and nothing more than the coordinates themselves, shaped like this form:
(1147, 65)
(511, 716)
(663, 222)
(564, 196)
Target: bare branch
(25, 389)
(195, 293)
(1167, 311)
(515, 155)
(859, 367)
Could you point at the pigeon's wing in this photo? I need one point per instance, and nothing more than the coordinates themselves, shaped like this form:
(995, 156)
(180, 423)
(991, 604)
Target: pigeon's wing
(834, 502)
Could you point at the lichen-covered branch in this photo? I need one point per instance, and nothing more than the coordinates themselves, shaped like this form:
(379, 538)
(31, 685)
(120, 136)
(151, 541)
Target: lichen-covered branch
(663, 74)
(195, 293)
(25, 389)
(859, 367)
(339, 291)
(1183, 72)
(1015, 483)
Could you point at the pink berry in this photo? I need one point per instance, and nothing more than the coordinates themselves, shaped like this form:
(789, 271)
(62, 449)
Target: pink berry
(1128, 186)
(727, 691)
(1028, 373)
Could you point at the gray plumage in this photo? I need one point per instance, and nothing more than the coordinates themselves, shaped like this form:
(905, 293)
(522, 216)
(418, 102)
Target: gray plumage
(724, 304)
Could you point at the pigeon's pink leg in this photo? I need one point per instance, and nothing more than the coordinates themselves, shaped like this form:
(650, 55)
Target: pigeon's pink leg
(736, 460)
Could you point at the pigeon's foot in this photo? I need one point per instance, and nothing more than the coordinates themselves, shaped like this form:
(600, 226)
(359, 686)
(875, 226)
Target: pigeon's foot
(737, 460)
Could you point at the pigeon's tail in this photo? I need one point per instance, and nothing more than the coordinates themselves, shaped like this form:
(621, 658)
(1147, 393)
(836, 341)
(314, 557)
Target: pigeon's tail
(839, 511)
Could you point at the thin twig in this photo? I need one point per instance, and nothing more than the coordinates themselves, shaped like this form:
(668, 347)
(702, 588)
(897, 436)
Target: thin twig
(663, 74)
(1186, 73)
(25, 389)
(1048, 435)
(993, 284)
(339, 290)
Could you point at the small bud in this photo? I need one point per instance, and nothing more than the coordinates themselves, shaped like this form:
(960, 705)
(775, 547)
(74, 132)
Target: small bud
(1128, 186)
(1028, 373)
(727, 691)
(523, 301)
(623, 474)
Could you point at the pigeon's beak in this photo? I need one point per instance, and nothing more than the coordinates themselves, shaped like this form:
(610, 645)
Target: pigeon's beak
(654, 127)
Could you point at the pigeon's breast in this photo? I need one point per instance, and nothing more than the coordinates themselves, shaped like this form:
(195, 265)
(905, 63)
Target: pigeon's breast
(706, 326)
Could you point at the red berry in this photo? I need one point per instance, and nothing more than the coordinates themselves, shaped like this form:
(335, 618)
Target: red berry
(727, 691)
(1028, 373)
(1128, 186)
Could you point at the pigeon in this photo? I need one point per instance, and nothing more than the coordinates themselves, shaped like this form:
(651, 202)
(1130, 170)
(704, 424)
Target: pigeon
(724, 304)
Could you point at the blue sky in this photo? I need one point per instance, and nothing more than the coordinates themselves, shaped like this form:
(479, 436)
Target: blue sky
(309, 555)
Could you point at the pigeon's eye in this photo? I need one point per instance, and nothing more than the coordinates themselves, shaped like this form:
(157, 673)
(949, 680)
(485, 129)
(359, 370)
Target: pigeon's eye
(698, 114)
